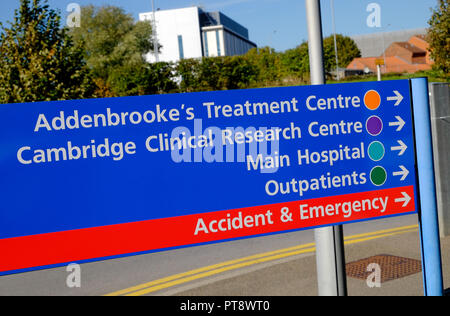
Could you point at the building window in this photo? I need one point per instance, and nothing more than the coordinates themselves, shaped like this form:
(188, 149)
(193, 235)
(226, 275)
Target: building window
(219, 53)
(205, 40)
(180, 46)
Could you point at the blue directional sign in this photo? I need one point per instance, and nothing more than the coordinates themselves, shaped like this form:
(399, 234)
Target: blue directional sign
(100, 178)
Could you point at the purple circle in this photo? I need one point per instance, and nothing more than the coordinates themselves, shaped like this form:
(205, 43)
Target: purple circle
(374, 125)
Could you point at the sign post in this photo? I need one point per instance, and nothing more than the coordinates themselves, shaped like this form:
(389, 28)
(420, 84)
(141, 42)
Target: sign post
(429, 225)
(330, 257)
(379, 62)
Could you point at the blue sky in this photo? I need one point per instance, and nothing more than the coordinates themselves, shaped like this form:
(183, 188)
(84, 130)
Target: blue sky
(277, 23)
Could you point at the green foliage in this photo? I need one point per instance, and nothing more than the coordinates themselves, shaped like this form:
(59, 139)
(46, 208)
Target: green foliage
(215, 73)
(261, 67)
(432, 75)
(347, 51)
(106, 58)
(439, 36)
(189, 72)
(267, 63)
(161, 78)
(296, 61)
(114, 50)
(240, 72)
(38, 59)
(210, 73)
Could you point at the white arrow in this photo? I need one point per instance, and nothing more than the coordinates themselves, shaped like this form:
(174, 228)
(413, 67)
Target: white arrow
(400, 123)
(405, 199)
(404, 173)
(398, 97)
(402, 148)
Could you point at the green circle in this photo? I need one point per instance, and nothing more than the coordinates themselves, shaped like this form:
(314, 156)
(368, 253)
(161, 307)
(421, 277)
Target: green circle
(378, 175)
(376, 151)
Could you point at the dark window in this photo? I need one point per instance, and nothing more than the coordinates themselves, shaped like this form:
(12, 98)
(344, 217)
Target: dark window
(219, 53)
(205, 40)
(180, 46)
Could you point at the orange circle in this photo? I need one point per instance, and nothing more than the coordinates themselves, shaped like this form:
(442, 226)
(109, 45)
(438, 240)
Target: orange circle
(372, 100)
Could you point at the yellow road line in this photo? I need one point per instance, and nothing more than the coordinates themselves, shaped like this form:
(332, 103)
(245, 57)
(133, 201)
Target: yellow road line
(378, 232)
(207, 271)
(203, 269)
(217, 271)
(248, 263)
(354, 241)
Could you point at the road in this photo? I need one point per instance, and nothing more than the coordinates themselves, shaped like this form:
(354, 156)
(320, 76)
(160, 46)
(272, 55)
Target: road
(176, 271)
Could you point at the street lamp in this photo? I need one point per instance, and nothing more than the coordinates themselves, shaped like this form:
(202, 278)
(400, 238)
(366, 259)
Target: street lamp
(155, 37)
(384, 47)
(335, 41)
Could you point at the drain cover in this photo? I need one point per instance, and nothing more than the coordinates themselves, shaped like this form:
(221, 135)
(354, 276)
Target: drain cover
(391, 267)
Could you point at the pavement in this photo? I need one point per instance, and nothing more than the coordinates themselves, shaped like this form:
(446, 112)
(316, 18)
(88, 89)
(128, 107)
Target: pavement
(297, 275)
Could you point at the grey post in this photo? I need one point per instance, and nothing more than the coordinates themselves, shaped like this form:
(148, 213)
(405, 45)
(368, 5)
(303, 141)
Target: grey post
(330, 258)
(335, 40)
(155, 35)
(440, 122)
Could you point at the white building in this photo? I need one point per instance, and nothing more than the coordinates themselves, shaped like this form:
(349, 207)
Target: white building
(194, 33)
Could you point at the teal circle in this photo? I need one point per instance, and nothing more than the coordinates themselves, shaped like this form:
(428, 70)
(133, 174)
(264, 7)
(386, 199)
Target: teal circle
(376, 151)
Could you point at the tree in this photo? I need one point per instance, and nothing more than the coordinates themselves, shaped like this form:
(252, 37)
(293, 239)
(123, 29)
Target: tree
(115, 50)
(210, 73)
(439, 36)
(161, 77)
(188, 70)
(347, 51)
(38, 59)
(267, 63)
(295, 61)
(142, 79)
(238, 73)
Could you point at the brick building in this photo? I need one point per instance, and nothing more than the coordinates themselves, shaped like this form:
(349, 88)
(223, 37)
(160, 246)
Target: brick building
(401, 57)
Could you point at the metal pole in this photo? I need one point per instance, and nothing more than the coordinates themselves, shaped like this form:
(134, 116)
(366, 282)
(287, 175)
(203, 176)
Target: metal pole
(335, 40)
(155, 37)
(428, 219)
(330, 257)
(315, 42)
(384, 52)
(384, 47)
